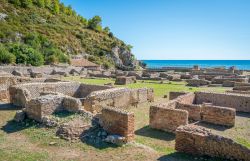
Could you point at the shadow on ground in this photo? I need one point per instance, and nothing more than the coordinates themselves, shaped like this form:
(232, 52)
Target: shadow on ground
(178, 156)
(153, 133)
(212, 126)
(12, 126)
(243, 114)
(93, 137)
(8, 107)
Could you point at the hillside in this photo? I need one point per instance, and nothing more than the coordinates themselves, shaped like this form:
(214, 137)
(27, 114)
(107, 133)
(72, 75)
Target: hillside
(41, 32)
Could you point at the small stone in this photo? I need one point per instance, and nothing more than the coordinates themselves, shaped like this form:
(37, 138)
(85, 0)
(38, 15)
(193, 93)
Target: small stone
(20, 116)
(52, 143)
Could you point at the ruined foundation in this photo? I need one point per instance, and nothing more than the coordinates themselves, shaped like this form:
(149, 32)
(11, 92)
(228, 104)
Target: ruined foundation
(118, 122)
(199, 141)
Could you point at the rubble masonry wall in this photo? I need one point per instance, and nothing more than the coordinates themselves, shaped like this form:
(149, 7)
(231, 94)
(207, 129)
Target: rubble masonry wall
(199, 141)
(119, 122)
(239, 102)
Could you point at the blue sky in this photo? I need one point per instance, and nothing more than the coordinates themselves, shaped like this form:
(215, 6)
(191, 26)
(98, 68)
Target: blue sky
(176, 29)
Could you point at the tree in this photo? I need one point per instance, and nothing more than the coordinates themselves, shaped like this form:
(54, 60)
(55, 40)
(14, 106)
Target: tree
(83, 20)
(106, 30)
(26, 3)
(5, 56)
(15, 2)
(56, 7)
(26, 55)
(47, 3)
(130, 47)
(63, 9)
(95, 23)
(69, 10)
(41, 3)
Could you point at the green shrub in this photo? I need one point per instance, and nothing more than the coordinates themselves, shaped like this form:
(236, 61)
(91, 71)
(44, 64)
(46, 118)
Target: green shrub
(5, 56)
(53, 56)
(26, 55)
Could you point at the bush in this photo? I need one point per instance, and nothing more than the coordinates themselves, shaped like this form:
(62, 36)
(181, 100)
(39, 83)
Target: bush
(26, 55)
(5, 56)
(53, 56)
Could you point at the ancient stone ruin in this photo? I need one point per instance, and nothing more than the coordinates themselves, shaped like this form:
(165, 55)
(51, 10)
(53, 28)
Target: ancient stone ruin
(178, 114)
(200, 141)
(101, 108)
(122, 80)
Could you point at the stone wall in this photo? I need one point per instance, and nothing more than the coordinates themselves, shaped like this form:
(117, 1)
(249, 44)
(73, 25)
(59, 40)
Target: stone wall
(43, 69)
(45, 105)
(4, 95)
(73, 89)
(188, 98)
(199, 141)
(228, 83)
(221, 80)
(116, 97)
(239, 92)
(197, 82)
(174, 95)
(125, 80)
(239, 84)
(242, 88)
(118, 122)
(218, 115)
(167, 119)
(239, 102)
(194, 111)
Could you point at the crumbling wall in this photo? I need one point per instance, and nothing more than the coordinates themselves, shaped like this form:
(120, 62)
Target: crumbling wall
(167, 119)
(218, 115)
(197, 82)
(45, 105)
(239, 92)
(221, 80)
(199, 141)
(188, 98)
(125, 80)
(35, 89)
(116, 97)
(85, 89)
(239, 102)
(242, 88)
(228, 83)
(119, 122)
(174, 95)
(239, 84)
(194, 111)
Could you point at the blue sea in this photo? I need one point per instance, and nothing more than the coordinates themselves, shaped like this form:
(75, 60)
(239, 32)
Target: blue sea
(240, 64)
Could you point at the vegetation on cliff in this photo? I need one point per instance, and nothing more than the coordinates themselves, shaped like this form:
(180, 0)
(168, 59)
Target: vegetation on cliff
(40, 32)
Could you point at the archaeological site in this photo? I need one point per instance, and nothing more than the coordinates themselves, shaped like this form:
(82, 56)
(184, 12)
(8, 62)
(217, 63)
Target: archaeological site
(102, 113)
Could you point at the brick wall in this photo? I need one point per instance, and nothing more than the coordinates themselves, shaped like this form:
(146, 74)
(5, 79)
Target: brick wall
(119, 122)
(167, 119)
(116, 97)
(174, 95)
(239, 102)
(218, 115)
(188, 98)
(43, 106)
(125, 80)
(194, 111)
(242, 88)
(4, 95)
(199, 141)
